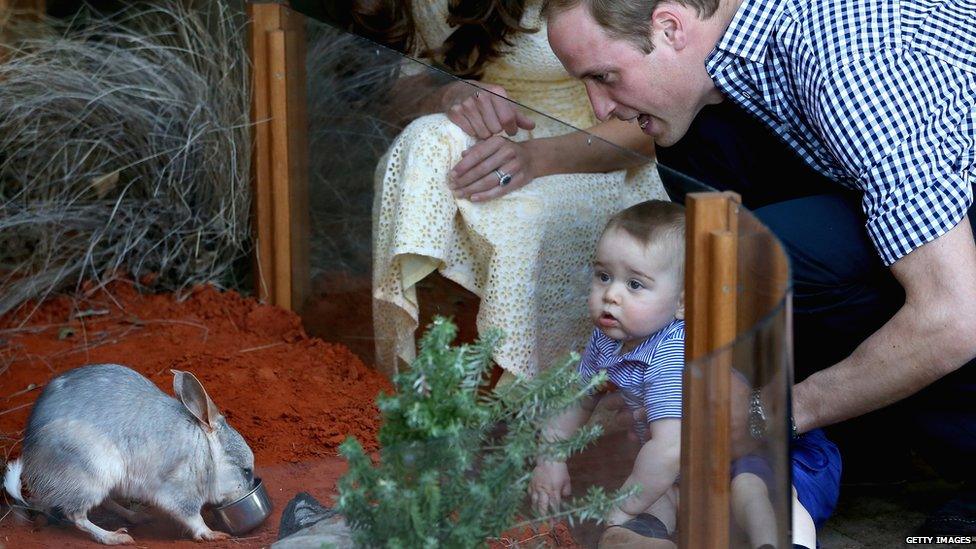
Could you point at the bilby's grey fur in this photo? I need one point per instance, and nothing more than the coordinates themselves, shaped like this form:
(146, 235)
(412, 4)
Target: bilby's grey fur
(105, 431)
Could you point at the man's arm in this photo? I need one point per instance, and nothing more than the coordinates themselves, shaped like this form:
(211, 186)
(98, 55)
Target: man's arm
(933, 334)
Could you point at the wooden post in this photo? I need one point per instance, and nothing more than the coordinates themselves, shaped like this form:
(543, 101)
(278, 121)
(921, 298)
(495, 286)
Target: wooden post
(17, 8)
(710, 305)
(280, 165)
(35, 6)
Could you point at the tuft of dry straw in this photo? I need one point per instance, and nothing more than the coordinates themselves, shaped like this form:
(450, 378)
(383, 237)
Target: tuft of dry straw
(124, 148)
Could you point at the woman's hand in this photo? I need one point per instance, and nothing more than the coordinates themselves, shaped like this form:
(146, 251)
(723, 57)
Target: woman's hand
(491, 168)
(481, 110)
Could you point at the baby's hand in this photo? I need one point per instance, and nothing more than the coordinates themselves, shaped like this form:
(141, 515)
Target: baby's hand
(550, 483)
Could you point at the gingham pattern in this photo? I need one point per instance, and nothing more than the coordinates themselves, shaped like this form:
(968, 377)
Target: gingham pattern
(879, 95)
(649, 375)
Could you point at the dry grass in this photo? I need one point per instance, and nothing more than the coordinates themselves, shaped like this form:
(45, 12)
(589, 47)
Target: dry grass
(124, 149)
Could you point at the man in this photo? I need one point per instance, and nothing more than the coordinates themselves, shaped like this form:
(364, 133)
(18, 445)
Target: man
(876, 101)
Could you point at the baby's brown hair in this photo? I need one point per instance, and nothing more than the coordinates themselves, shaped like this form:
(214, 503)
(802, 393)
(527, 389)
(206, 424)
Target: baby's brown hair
(654, 222)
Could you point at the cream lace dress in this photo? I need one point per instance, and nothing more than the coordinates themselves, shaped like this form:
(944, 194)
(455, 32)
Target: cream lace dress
(526, 255)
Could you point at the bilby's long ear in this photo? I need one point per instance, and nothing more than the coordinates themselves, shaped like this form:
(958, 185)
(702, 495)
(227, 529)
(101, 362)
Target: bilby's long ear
(195, 399)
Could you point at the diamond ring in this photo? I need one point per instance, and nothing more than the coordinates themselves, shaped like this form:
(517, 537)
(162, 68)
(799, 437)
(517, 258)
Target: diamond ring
(503, 178)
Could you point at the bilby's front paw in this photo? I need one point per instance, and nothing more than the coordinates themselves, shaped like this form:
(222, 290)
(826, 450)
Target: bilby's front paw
(118, 537)
(211, 535)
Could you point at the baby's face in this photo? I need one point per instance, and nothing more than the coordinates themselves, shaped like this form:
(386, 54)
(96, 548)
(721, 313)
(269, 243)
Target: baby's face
(636, 289)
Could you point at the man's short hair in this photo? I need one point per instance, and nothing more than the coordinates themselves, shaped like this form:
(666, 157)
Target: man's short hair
(654, 222)
(626, 19)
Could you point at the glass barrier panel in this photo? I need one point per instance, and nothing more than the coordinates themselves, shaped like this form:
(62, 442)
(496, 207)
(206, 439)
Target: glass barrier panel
(761, 358)
(392, 248)
(380, 152)
(501, 444)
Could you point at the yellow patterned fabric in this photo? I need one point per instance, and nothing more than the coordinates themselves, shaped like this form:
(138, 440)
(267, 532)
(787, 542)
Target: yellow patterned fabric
(526, 255)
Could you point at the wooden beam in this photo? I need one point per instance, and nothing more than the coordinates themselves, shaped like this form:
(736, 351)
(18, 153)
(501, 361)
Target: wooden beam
(36, 6)
(298, 160)
(280, 168)
(280, 165)
(710, 292)
(9, 9)
(764, 282)
(264, 18)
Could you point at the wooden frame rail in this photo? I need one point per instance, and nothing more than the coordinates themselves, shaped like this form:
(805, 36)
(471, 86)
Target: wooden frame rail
(737, 276)
(710, 307)
(20, 8)
(280, 155)
(36, 6)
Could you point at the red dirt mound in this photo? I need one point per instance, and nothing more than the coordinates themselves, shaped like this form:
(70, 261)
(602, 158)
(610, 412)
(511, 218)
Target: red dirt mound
(294, 398)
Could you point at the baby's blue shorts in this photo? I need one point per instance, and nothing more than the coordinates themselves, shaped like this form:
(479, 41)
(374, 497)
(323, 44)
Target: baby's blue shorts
(816, 468)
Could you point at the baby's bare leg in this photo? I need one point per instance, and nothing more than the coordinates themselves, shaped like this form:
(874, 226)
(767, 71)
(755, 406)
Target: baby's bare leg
(666, 509)
(804, 531)
(655, 470)
(752, 509)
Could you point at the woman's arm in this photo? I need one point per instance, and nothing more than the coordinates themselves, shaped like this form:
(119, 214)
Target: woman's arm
(417, 95)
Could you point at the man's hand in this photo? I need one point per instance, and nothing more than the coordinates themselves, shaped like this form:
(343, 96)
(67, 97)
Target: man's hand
(550, 483)
(483, 110)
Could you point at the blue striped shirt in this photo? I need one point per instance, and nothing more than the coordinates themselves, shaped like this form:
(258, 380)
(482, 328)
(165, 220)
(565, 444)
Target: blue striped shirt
(649, 375)
(878, 95)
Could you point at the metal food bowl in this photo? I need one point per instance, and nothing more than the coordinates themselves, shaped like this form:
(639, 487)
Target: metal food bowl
(245, 514)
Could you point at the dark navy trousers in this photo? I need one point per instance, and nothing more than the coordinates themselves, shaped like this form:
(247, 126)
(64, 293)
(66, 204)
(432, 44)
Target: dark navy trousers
(842, 292)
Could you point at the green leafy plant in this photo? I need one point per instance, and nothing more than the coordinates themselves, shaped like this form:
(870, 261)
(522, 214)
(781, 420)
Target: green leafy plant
(456, 461)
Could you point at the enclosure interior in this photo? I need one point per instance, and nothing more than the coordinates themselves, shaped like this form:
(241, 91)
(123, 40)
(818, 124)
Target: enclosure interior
(360, 97)
(296, 398)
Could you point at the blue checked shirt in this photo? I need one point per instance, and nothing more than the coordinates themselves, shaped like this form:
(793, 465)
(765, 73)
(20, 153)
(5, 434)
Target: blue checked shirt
(648, 376)
(878, 95)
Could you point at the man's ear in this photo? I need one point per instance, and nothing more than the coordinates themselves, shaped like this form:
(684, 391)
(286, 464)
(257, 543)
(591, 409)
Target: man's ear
(680, 312)
(668, 25)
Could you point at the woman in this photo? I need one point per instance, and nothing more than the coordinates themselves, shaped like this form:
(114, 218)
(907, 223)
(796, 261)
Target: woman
(501, 200)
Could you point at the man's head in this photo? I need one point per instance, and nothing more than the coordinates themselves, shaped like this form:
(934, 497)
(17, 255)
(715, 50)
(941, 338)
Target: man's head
(638, 272)
(641, 60)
